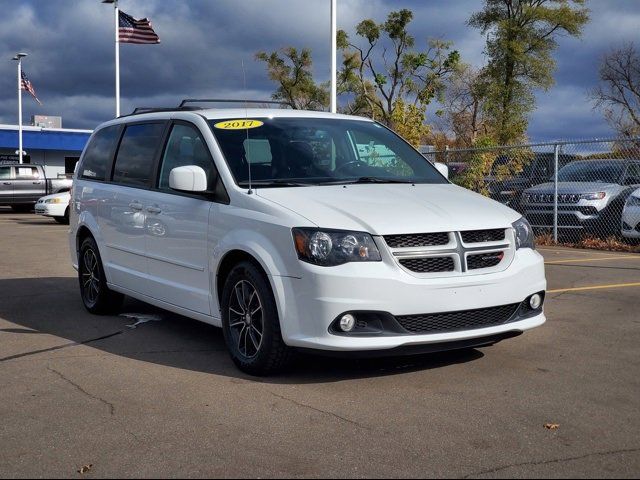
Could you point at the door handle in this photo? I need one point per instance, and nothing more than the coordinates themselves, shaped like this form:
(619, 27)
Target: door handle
(155, 210)
(8, 183)
(37, 183)
(135, 206)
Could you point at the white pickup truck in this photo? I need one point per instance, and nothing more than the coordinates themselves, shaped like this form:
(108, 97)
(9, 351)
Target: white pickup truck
(21, 185)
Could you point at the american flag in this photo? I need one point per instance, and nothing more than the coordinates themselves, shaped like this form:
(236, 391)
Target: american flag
(135, 31)
(25, 84)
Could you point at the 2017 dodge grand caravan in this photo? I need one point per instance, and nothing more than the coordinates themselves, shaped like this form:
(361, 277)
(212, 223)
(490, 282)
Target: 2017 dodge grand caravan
(297, 230)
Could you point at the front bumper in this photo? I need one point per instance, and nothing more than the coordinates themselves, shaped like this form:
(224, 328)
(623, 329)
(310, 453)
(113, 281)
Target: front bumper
(50, 209)
(310, 304)
(631, 222)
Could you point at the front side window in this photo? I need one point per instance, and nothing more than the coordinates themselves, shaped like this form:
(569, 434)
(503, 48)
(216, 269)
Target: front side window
(317, 151)
(185, 147)
(97, 156)
(134, 161)
(29, 173)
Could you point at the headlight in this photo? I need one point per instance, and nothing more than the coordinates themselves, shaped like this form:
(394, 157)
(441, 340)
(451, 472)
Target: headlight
(54, 200)
(593, 196)
(633, 202)
(329, 248)
(524, 234)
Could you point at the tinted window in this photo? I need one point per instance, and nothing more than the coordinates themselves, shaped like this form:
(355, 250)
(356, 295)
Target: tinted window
(185, 147)
(592, 171)
(5, 173)
(320, 151)
(134, 160)
(97, 157)
(633, 174)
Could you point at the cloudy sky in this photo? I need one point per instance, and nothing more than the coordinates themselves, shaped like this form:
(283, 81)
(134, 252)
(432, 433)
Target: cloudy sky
(71, 53)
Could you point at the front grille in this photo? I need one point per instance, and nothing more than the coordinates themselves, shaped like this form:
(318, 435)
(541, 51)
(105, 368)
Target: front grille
(483, 236)
(456, 321)
(417, 240)
(549, 198)
(429, 264)
(484, 260)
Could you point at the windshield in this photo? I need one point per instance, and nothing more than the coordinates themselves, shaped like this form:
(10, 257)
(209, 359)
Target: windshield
(317, 151)
(592, 171)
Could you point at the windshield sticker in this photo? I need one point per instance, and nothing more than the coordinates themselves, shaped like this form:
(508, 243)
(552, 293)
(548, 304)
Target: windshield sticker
(240, 124)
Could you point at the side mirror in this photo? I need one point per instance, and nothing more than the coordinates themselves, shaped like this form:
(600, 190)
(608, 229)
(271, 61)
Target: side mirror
(443, 169)
(188, 179)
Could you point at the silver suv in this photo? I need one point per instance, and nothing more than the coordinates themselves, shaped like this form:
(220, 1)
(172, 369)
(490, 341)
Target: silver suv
(591, 197)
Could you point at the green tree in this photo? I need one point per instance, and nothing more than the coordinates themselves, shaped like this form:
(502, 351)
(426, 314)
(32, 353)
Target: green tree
(521, 37)
(384, 67)
(291, 70)
(409, 122)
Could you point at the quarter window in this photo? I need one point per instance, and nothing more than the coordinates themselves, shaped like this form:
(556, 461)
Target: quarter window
(134, 161)
(97, 157)
(185, 147)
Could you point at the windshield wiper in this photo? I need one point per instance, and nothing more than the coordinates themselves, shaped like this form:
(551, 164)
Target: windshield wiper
(275, 183)
(372, 180)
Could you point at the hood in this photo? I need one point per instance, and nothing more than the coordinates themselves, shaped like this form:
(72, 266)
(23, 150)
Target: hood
(575, 187)
(386, 209)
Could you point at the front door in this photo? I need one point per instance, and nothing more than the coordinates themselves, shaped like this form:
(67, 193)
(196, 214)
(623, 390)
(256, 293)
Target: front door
(28, 185)
(177, 226)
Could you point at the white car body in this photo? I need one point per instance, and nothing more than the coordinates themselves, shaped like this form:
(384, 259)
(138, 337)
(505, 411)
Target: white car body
(631, 216)
(175, 263)
(54, 206)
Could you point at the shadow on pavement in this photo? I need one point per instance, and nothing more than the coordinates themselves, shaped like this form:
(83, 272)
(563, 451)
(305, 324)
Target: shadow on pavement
(53, 306)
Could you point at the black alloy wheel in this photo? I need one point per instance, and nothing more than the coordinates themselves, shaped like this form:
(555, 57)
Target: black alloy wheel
(96, 296)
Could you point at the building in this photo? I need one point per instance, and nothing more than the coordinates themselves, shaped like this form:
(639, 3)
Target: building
(58, 149)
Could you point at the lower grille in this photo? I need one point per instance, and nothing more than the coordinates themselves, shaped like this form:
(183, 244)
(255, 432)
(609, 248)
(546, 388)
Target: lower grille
(484, 260)
(456, 321)
(482, 236)
(429, 265)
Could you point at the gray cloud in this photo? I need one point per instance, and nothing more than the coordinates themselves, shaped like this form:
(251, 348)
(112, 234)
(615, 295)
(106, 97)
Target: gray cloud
(70, 43)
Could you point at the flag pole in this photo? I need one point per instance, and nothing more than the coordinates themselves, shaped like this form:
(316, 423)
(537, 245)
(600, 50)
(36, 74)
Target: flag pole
(117, 37)
(334, 58)
(18, 58)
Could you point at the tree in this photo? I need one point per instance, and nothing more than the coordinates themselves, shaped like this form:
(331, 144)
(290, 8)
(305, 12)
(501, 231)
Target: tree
(409, 122)
(521, 37)
(385, 68)
(618, 95)
(463, 108)
(291, 70)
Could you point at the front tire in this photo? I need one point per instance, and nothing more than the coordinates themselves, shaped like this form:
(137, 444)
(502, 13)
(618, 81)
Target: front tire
(96, 296)
(250, 322)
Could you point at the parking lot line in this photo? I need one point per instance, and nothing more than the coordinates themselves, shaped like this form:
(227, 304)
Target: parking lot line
(594, 259)
(595, 287)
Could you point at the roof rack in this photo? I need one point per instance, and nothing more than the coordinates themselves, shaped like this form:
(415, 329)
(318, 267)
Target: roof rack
(184, 107)
(226, 100)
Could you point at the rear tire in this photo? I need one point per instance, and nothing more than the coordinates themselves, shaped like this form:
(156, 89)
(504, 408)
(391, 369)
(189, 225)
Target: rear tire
(96, 296)
(250, 322)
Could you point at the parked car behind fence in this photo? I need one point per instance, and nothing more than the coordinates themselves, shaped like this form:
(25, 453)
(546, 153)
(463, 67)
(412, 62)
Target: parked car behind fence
(591, 168)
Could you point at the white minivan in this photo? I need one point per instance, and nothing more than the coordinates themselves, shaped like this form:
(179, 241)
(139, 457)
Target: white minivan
(297, 230)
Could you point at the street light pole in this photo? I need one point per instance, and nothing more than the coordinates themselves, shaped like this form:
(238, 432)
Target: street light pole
(18, 58)
(334, 58)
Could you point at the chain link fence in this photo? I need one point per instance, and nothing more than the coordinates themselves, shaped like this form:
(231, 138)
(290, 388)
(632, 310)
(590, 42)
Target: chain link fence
(583, 193)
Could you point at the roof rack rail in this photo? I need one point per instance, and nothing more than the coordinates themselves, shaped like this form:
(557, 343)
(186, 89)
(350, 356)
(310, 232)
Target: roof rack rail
(160, 109)
(226, 100)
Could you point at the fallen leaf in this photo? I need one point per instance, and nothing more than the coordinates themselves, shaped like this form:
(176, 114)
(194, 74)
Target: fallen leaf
(552, 426)
(85, 469)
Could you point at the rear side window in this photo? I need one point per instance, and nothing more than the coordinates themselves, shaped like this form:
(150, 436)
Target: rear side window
(134, 161)
(27, 173)
(98, 154)
(5, 173)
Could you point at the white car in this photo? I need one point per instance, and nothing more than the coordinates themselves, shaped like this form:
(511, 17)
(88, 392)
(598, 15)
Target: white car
(290, 231)
(631, 217)
(55, 206)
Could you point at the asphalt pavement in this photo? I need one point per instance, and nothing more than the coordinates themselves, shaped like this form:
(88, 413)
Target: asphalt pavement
(163, 399)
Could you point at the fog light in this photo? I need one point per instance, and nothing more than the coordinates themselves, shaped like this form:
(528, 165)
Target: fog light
(347, 322)
(535, 301)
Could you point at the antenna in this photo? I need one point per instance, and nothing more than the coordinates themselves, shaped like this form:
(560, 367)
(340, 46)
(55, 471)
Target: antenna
(246, 117)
